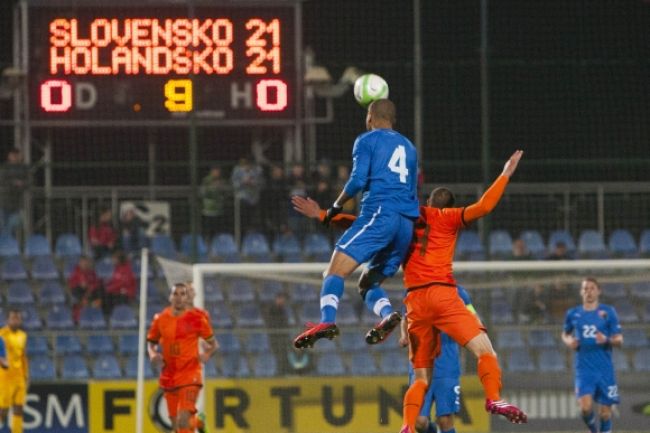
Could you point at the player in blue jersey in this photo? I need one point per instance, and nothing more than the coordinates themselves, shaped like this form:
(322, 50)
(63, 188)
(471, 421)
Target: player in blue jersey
(592, 329)
(385, 172)
(445, 386)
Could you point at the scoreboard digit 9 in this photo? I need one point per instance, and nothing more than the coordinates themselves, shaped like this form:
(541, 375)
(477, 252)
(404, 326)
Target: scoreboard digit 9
(128, 63)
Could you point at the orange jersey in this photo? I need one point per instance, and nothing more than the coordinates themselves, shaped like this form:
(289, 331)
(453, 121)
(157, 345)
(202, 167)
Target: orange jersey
(179, 338)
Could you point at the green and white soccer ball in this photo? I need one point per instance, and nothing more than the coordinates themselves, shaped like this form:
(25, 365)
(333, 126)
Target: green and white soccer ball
(370, 87)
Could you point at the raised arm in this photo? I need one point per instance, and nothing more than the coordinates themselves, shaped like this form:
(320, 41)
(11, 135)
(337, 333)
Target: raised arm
(311, 209)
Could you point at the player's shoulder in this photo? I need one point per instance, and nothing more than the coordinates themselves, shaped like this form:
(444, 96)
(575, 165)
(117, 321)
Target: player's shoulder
(606, 308)
(574, 311)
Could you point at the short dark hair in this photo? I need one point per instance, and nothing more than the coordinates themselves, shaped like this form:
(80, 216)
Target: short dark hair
(15, 310)
(592, 280)
(441, 197)
(384, 109)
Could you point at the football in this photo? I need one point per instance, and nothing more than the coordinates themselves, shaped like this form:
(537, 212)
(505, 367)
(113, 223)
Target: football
(370, 87)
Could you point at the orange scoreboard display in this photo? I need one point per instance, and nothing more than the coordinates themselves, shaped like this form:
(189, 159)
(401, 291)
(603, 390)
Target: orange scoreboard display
(121, 62)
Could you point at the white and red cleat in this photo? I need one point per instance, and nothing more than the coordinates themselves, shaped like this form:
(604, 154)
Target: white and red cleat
(383, 329)
(314, 333)
(510, 411)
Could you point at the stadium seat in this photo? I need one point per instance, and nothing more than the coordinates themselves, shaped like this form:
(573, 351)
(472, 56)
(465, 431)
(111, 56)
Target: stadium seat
(309, 312)
(534, 243)
(270, 290)
(635, 338)
(241, 291)
(31, 319)
(201, 247)
(163, 246)
(367, 318)
(265, 366)
(99, 344)
(67, 345)
(68, 245)
(510, 338)
(153, 294)
(394, 363)
(317, 247)
(234, 365)
(41, 368)
(622, 244)
(541, 338)
(9, 247)
(563, 236)
(228, 343)
(104, 268)
(325, 346)
(128, 344)
(287, 245)
(501, 312)
(69, 263)
(91, 318)
(131, 368)
(500, 244)
(626, 312)
(52, 293)
(363, 364)
(37, 245)
(621, 361)
(256, 247)
(220, 316)
(212, 291)
(469, 246)
(43, 268)
(210, 369)
(551, 360)
(592, 245)
(224, 248)
(519, 360)
(304, 293)
(346, 314)
(330, 364)
(644, 243)
(646, 313)
(59, 317)
(352, 342)
(123, 317)
(153, 308)
(106, 367)
(13, 269)
(640, 291)
(613, 291)
(250, 316)
(642, 360)
(257, 343)
(19, 293)
(37, 345)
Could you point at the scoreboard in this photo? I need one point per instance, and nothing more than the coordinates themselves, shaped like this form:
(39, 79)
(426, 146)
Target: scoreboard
(133, 63)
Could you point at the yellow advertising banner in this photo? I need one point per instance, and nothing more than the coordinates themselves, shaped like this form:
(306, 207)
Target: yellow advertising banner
(283, 405)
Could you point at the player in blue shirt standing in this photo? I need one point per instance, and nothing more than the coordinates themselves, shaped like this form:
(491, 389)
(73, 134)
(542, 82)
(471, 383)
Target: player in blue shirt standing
(385, 172)
(592, 329)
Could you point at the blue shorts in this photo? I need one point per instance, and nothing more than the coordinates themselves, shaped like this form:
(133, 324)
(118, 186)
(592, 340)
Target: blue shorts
(380, 237)
(602, 387)
(445, 392)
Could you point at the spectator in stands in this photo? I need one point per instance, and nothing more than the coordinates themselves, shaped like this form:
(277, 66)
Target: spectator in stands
(121, 286)
(84, 286)
(560, 299)
(520, 250)
(297, 186)
(102, 235)
(560, 252)
(533, 305)
(275, 201)
(214, 193)
(278, 322)
(14, 180)
(321, 188)
(132, 229)
(247, 180)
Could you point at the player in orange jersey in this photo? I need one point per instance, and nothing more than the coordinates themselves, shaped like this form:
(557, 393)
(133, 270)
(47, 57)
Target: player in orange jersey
(432, 301)
(177, 331)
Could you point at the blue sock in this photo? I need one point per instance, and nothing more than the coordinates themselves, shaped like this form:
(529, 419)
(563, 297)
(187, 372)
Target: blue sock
(330, 294)
(590, 420)
(433, 429)
(377, 301)
(605, 425)
(453, 430)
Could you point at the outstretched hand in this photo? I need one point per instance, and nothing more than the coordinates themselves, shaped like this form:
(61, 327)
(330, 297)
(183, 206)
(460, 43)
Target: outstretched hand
(511, 164)
(306, 206)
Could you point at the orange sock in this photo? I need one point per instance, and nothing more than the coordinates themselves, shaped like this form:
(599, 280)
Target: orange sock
(490, 374)
(413, 402)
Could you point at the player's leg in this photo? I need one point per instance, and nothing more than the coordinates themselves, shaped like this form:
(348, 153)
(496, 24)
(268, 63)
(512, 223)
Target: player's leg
(606, 396)
(19, 397)
(447, 395)
(586, 404)
(423, 422)
(187, 420)
(171, 398)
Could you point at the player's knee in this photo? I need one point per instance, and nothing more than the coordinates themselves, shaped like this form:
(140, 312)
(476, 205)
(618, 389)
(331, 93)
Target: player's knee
(605, 412)
(183, 421)
(445, 422)
(481, 345)
(422, 424)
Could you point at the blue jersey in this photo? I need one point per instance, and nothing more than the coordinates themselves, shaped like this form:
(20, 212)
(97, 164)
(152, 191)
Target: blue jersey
(447, 364)
(3, 351)
(385, 165)
(592, 357)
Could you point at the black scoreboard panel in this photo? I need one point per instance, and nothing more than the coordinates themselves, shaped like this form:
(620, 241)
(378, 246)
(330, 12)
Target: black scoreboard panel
(156, 63)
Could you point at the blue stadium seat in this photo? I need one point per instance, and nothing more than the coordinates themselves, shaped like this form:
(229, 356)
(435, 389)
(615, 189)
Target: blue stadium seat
(31, 319)
(287, 245)
(69, 263)
(43, 268)
(255, 246)
(52, 293)
(534, 243)
(563, 236)
(621, 361)
(13, 269)
(9, 247)
(19, 293)
(613, 291)
(153, 308)
(67, 344)
(265, 366)
(309, 312)
(394, 363)
(644, 243)
(220, 316)
(541, 338)
(346, 314)
(325, 346)
(128, 344)
(234, 365)
(500, 244)
(91, 318)
(106, 367)
(353, 342)
(509, 339)
(501, 312)
(228, 343)
(642, 360)
(210, 369)
(363, 364)
(622, 244)
(37, 345)
(2, 317)
(104, 268)
(37, 245)
(59, 317)
(641, 290)
(636, 338)
(469, 246)
(304, 293)
(646, 313)
(241, 290)
(68, 245)
(367, 317)
(257, 343)
(317, 247)
(250, 316)
(224, 248)
(163, 246)
(212, 291)
(330, 364)
(153, 294)
(98, 344)
(131, 368)
(136, 266)
(626, 312)
(123, 317)
(270, 290)
(201, 247)
(41, 368)
(551, 360)
(592, 245)
(519, 360)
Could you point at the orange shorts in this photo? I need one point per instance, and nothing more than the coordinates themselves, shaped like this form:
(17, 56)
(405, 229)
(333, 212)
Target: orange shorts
(432, 310)
(182, 399)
